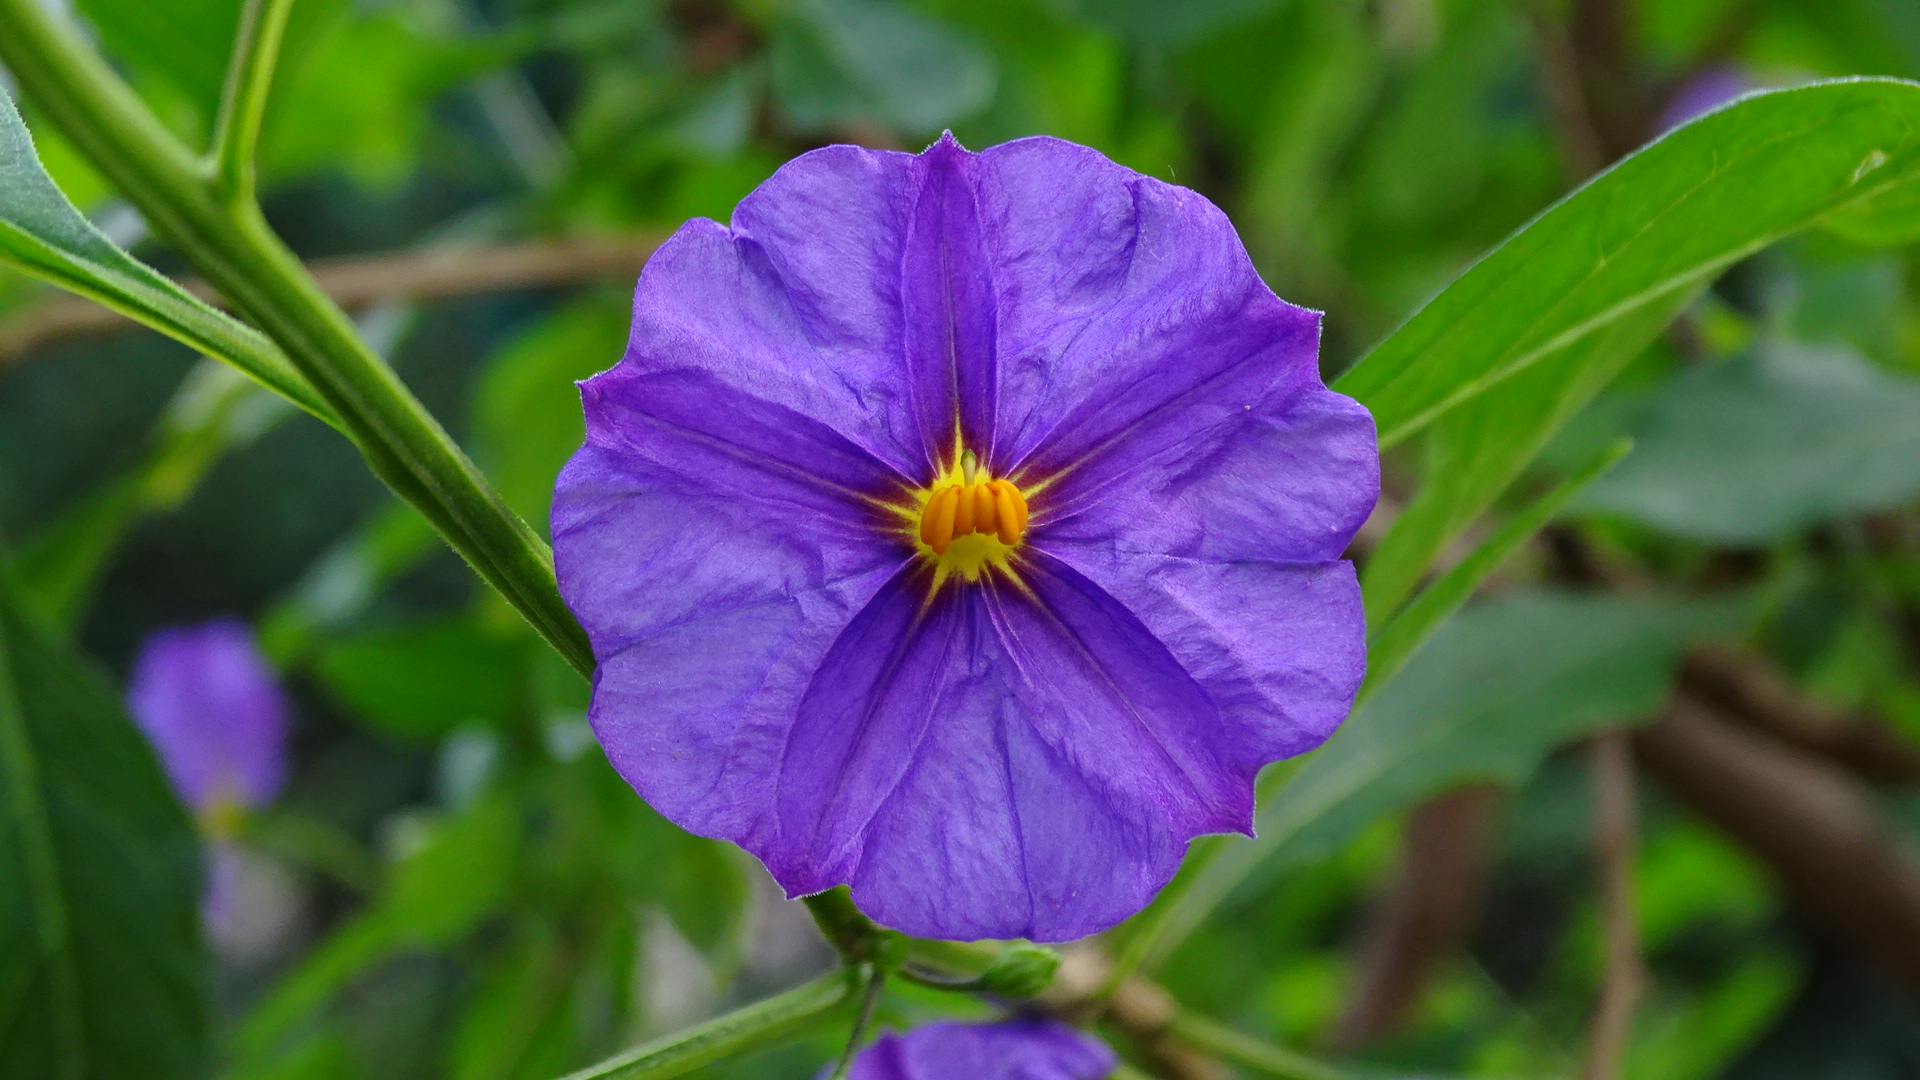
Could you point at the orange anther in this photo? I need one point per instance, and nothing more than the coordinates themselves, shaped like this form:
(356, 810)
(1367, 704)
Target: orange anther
(963, 516)
(983, 516)
(1009, 507)
(936, 522)
(1019, 505)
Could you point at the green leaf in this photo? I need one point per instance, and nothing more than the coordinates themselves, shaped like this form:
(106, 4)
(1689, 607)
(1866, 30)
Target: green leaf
(1156, 22)
(42, 234)
(1389, 645)
(184, 42)
(1487, 697)
(420, 681)
(1659, 222)
(707, 892)
(1477, 449)
(842, 62)
(102, 970)
(1767, 444)
(521, 1024)
(1890, 219)
(1464, 709)
(526, 410)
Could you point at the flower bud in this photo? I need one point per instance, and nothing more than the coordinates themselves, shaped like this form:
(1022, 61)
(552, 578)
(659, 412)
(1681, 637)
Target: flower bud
(1020, 971)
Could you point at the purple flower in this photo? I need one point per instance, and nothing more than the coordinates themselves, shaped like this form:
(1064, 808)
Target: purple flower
(965, 528)
(209, 703)
(1014, 1050)
(1704, 92)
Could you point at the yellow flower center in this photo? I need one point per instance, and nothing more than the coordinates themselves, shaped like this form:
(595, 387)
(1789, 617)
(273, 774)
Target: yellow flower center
(971, 520)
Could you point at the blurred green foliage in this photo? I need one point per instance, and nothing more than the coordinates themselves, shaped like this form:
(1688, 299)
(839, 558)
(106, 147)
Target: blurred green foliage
(466, 890)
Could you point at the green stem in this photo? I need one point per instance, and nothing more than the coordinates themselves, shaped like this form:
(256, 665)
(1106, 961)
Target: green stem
(1248, 1052)
(243, 103)
(876, 980)
(744, 1029)
(236, 251)
(858, 939)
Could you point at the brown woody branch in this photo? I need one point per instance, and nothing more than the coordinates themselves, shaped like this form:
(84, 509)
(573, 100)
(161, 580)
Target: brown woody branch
(1624, 980)
(1815, 825)
(1426, 913)
(1139, 1008)
(360, 281)
(1748, 686)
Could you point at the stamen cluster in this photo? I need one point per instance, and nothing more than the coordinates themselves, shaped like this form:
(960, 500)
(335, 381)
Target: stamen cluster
(993, 507)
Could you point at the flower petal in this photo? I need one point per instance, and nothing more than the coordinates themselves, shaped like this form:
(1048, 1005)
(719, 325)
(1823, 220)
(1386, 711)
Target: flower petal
(1020, 1049)
(713, 545)
(1280, 647)
(1289, 477)
(1009, 763)
(212, 707)
(847, 289)
(1143, 366)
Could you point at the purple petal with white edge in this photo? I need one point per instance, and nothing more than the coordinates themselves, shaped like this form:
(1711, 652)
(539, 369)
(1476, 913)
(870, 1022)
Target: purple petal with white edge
(713, 545)
(1020, 1049)
(211, 706)
(1005, 763)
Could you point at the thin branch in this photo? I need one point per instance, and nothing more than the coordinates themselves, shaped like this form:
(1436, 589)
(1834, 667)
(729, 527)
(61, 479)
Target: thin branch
(1425, 915)
(1565, 95)
(876, 979)
(1745, 684)
(362, 280)
(1624, 980)
(243, 102)
(1817, 827)
(1247, 1052)
(757, 1024)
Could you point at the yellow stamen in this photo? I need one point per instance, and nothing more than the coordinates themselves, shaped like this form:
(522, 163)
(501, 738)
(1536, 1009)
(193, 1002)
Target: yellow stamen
(970, 521)
(982, 495)
(1011, 511)
(936, 528)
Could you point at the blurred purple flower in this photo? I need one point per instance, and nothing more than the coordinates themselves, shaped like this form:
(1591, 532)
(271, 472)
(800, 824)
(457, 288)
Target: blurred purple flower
(1708, 90)
(1023, 1049)
(965, 528)
(210, 704)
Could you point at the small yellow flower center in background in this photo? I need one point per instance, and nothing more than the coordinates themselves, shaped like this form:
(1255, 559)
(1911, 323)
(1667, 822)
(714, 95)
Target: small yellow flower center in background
(970, 520)
(223, 818)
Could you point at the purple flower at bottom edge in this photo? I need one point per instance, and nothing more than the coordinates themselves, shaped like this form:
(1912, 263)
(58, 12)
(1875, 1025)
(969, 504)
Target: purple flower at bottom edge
(1023, 1049)
(211, 706)
(965, 528)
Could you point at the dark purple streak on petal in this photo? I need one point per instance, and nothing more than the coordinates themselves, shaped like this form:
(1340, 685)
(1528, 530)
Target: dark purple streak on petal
(1119, 298)
(1002, 764)
(1289, 477)
(947, 299)
(1279, 647)
(799, 302)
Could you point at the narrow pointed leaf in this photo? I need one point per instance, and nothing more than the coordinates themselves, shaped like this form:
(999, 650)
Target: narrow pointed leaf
(1667, 218)
(1391, 643)
(42, 234)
